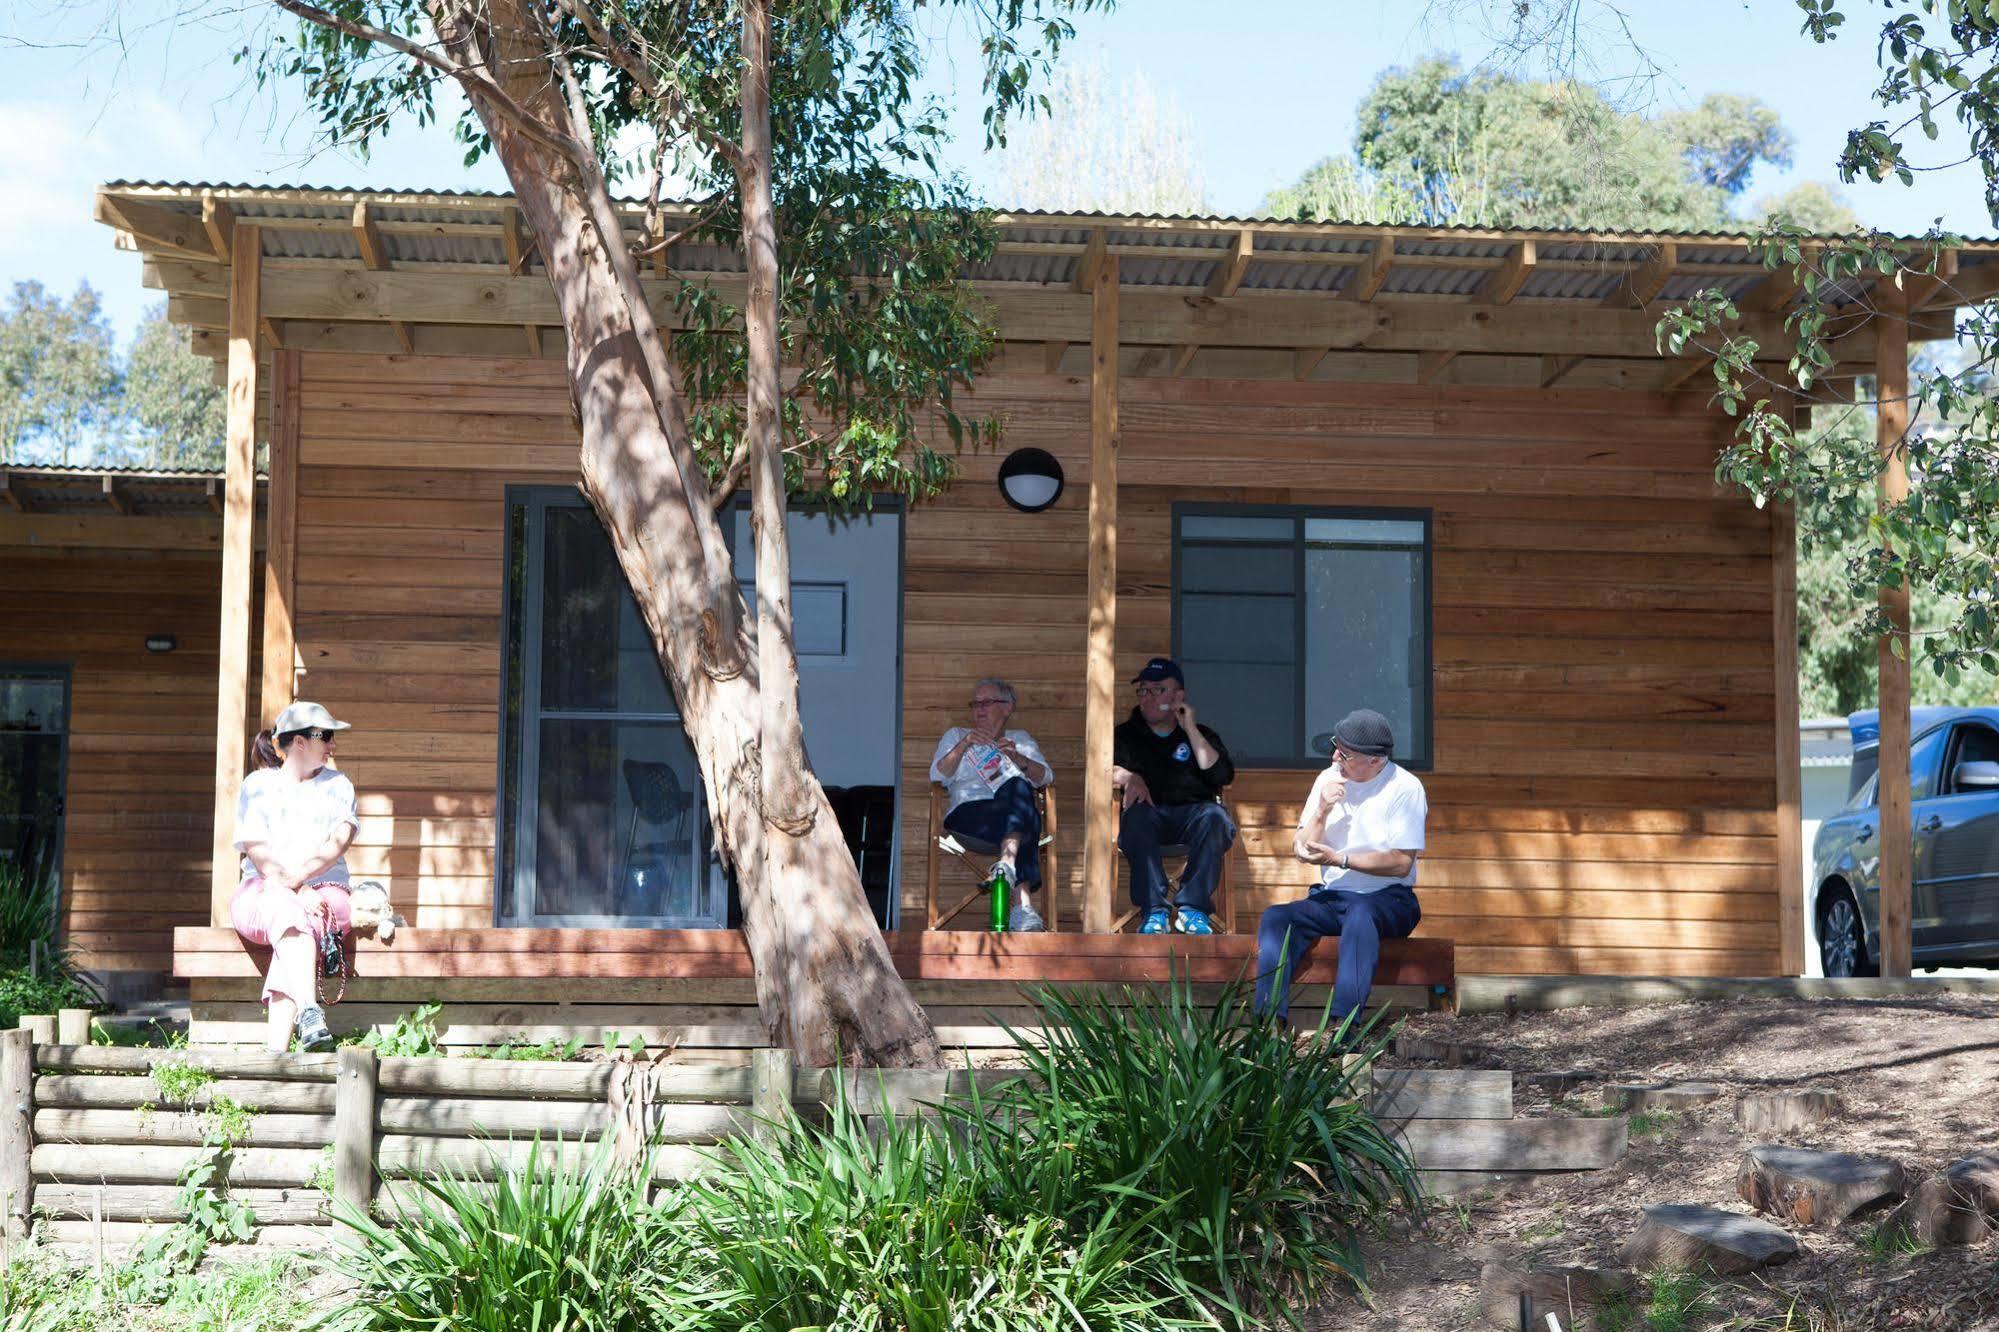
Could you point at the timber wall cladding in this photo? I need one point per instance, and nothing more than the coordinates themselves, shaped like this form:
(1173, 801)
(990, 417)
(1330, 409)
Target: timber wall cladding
(142, 736)
(1605, 776)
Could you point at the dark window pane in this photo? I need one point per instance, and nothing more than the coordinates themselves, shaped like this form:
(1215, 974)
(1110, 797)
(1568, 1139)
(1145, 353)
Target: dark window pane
(596, 654)
(1250, 706)
(819, 619)
(1924, 756)
(1237, 568)
(1246, 629)
(619, 824)
(1364, 642)
(1214, 528)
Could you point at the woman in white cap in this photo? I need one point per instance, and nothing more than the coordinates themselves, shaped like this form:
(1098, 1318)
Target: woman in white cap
(294, 823)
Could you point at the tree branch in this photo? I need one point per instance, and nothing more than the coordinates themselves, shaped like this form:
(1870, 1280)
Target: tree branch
(664, 94)
(473, 80)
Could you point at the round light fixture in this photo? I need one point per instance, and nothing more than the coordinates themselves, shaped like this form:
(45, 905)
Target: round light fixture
(1030, 479)
(161, 643)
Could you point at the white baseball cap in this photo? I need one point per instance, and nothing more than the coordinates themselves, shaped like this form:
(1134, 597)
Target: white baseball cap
(306, 717)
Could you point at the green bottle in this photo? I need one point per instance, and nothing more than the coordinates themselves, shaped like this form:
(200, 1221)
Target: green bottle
(998, 888)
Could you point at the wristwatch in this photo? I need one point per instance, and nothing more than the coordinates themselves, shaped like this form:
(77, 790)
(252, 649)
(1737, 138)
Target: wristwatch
(1343, 860)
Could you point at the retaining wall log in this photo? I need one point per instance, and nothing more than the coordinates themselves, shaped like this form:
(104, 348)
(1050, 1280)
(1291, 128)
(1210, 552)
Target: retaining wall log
(99, 1091)
(258, 1064)
(439, 1116)
(92, 1163)
(177, 1128)
(17, 1105)
(489, 1077)
(160, 1202)
(123, 1234)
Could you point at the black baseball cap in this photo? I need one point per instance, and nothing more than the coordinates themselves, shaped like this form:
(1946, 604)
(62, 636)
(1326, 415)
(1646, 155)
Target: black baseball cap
(1161, 668)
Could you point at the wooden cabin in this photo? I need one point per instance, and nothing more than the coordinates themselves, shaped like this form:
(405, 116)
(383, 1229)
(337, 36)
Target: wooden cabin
(1443, 473)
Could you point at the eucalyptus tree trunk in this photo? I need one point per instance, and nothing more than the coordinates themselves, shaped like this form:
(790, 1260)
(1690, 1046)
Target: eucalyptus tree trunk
(825, 982)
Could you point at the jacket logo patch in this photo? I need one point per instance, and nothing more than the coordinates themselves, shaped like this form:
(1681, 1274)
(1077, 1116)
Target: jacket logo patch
(1183, 753)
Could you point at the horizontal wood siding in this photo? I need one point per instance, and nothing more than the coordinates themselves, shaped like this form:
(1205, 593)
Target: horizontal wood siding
(1604, 787)
(142, 735)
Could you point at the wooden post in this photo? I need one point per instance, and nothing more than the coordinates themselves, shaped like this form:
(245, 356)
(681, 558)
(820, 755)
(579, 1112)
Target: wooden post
(1891, 423)
(1100, 663)
(239, 512)
(770, 1090)
(1790, 780)
(354, 1126)
(73, 1026)
(40, 1026)
(281, 539)
(17, 1138)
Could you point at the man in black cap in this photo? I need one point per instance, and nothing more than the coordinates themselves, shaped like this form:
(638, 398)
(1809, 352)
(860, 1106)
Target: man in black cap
(1363, 825)
(1171, 771)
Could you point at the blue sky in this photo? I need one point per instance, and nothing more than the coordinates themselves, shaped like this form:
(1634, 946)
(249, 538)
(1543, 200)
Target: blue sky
(1268, 86)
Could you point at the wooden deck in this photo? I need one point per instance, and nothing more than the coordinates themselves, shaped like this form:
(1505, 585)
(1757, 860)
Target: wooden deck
(942, 955)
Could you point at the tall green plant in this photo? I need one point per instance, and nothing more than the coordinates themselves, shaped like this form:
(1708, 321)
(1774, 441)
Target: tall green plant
(890, 1229)
(1257, 1152)
(562, 1240)
(27, 914)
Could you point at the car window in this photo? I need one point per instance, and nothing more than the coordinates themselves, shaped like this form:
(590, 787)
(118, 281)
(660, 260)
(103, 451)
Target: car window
(1976, 743)
(1924, 758)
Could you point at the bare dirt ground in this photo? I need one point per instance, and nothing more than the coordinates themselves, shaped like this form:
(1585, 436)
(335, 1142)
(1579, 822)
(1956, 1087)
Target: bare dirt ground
(1919, 1079)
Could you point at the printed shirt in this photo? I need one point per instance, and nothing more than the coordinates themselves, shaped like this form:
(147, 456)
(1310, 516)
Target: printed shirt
(1385, 813)
(984, 768)
(294, 818)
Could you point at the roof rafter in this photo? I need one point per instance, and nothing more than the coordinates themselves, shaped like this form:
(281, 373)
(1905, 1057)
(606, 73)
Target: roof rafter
(1644, 283)
(1504, 283)
(376, 257)
(1367, 280)
(218, 219)
(1229, 272)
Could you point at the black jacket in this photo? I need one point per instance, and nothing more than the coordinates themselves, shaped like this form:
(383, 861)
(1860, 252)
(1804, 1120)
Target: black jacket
(1167, 764)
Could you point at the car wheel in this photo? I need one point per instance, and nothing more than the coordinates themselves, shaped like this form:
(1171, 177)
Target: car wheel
(1842, 941)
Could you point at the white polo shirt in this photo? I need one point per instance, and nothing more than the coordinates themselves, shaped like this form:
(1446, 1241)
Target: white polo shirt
(293, 818)
(1385, 813)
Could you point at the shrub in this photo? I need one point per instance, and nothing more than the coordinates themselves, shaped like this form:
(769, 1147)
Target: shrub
(856, 1228)
(55, 988)
(1258, 1151)
(564, 1240)
(27, 914)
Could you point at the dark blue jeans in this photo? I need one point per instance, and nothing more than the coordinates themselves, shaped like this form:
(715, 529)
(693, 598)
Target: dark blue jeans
(1361, 920)
(1011, 810)
(1205, 830)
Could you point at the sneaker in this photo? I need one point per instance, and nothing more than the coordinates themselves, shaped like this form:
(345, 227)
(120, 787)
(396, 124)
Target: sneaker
(1193, 921)
(1025, 920)
(312, 1030)
(1001, 870)
(1157, 921)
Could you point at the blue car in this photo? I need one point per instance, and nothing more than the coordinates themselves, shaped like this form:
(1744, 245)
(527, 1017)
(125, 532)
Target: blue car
(1954, 796)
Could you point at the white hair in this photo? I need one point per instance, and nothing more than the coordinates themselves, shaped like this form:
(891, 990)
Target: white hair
(1000, 687)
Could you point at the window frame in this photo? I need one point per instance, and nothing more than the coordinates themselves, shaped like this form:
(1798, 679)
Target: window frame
(1947, 774)
(1299, 515)
(525, 731)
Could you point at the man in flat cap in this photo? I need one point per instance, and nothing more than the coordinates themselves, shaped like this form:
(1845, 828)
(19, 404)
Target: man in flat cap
(1363, 826)
(1170, 771)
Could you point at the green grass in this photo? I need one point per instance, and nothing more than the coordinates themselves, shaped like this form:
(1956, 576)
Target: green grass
(1651, 1124)
(40, 1293)
(1677, 1300)
(1883, 1242)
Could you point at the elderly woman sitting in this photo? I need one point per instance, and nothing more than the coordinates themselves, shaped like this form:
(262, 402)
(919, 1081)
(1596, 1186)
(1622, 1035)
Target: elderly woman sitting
(294, 822)
(990, 775)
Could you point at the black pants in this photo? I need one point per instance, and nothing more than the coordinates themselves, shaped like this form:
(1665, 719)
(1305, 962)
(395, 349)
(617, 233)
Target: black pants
(1011, 810)
(1205, 830)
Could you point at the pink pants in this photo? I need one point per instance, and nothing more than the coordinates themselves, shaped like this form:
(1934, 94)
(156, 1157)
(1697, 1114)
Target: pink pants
(280, 921)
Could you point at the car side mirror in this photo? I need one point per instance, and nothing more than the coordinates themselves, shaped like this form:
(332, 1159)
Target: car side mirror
(1980, 776)
(1322, 743)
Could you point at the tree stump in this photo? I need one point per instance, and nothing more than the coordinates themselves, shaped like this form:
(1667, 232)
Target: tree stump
(1683, 1237)
(1661, 1095)
(1976, 1181)
(1572, 1294)
(1937, 1213)
(1816, 1188)
(1780, 1112)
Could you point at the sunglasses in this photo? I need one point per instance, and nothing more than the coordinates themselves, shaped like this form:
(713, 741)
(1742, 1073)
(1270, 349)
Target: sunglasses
(318, 734)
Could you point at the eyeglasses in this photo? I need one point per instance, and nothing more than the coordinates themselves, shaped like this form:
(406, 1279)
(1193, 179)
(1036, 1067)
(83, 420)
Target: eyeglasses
(1348, 756)
(1154, 691)
(988, 703)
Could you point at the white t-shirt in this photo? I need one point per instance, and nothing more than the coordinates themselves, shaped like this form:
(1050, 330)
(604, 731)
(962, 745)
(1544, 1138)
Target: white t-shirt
(293, 818)
(1384, 813)
(984, 768)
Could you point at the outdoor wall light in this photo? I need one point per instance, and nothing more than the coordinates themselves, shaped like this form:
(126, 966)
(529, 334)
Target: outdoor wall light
(1030, 479)
(161, 643)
